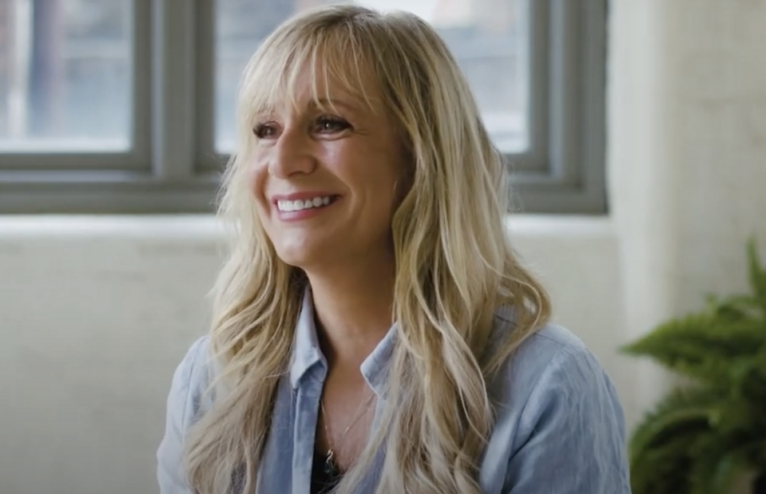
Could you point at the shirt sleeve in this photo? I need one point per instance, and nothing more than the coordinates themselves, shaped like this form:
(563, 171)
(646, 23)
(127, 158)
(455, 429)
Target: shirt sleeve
(572, 432)
(171, 474)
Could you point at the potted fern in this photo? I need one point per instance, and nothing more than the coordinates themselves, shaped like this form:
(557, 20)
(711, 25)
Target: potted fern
(704, 434)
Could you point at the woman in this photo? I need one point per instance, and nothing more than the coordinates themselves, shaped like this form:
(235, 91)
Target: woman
(373, 330)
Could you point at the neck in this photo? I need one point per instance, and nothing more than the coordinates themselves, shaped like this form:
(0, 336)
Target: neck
(353, 309)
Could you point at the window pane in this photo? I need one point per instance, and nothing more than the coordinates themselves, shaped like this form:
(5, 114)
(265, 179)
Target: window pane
(487, 37)
(65, 75)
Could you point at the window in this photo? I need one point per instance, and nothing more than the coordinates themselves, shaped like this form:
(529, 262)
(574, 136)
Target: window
(66, 82)
(489, 42)
(128, 105)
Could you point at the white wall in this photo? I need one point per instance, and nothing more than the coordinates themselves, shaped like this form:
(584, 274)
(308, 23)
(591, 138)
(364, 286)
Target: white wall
(687, 159)
(96, 312)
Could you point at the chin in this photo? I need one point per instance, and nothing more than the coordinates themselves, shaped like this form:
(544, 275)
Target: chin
(297, 257)
(291, 259)
(306, 251)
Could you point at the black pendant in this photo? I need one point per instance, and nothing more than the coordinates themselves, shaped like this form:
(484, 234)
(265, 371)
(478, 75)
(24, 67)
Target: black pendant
(330, 468)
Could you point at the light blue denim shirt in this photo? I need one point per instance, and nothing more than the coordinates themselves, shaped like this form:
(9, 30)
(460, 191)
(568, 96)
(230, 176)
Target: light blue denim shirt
(559, 426)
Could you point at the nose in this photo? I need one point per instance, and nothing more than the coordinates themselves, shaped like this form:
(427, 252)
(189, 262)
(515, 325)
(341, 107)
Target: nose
(291, 154)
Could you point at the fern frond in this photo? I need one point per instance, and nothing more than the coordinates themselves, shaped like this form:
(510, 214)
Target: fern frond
(702, 346)
(717, 460)
(663, 471)
(683, 411)
(698, 438)
(735, 308)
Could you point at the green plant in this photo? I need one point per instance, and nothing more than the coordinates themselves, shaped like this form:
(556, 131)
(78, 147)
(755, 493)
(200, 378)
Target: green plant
(702, 435)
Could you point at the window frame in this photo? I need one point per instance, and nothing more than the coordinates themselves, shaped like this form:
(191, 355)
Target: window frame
(564, 170)
(173, 166)
(133, 159)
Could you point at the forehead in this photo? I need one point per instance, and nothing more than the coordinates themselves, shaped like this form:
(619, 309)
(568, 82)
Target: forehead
(316, 78)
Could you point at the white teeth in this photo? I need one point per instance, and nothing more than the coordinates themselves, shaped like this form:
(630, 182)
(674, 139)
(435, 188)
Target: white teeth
(300, 205)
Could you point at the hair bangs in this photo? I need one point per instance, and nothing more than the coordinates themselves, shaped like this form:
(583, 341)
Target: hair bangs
(327, 56)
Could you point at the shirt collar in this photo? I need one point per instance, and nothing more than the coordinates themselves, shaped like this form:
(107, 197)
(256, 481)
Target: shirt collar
(307, 353)
(306, 350)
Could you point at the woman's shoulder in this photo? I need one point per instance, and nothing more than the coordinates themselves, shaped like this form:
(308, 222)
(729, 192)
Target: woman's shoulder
(185, 400)
(549, 363)
(554, 400)
(195, 364)
(192, 378)
(542, 346)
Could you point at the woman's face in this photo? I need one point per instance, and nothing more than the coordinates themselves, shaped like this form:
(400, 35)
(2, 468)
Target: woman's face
(325, 180)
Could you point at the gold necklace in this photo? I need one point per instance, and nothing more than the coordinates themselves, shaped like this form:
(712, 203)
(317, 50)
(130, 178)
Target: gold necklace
(330, 467)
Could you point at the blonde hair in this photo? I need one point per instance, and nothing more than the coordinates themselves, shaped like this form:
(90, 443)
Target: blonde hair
(454, 266)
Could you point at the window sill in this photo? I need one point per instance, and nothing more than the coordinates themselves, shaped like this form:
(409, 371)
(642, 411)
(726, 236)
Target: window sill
(206, 227)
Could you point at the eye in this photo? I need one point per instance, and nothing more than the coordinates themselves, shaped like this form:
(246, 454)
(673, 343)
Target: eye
(326, 124)
(265, 130)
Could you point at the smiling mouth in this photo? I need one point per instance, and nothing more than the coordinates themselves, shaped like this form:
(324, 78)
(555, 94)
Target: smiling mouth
(304, 204)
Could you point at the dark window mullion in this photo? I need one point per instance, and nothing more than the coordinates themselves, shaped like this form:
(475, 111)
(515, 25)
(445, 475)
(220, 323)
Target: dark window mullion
(565, 89)
(173, 90)
(534, 162)
(592, 129)
(142, 84)
(208, 159)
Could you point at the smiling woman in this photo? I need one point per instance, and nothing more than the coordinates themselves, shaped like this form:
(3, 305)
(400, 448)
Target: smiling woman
(342, 153)
(374, 330)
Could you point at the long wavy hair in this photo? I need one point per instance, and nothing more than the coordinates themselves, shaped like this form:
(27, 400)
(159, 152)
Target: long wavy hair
(454, 265)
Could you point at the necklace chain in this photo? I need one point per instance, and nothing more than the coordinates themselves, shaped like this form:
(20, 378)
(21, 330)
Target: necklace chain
(330, 466)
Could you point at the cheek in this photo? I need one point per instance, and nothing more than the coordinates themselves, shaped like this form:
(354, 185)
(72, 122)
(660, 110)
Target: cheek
(256, 178)
(389, 188)
(257, 181)
(400, 176)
